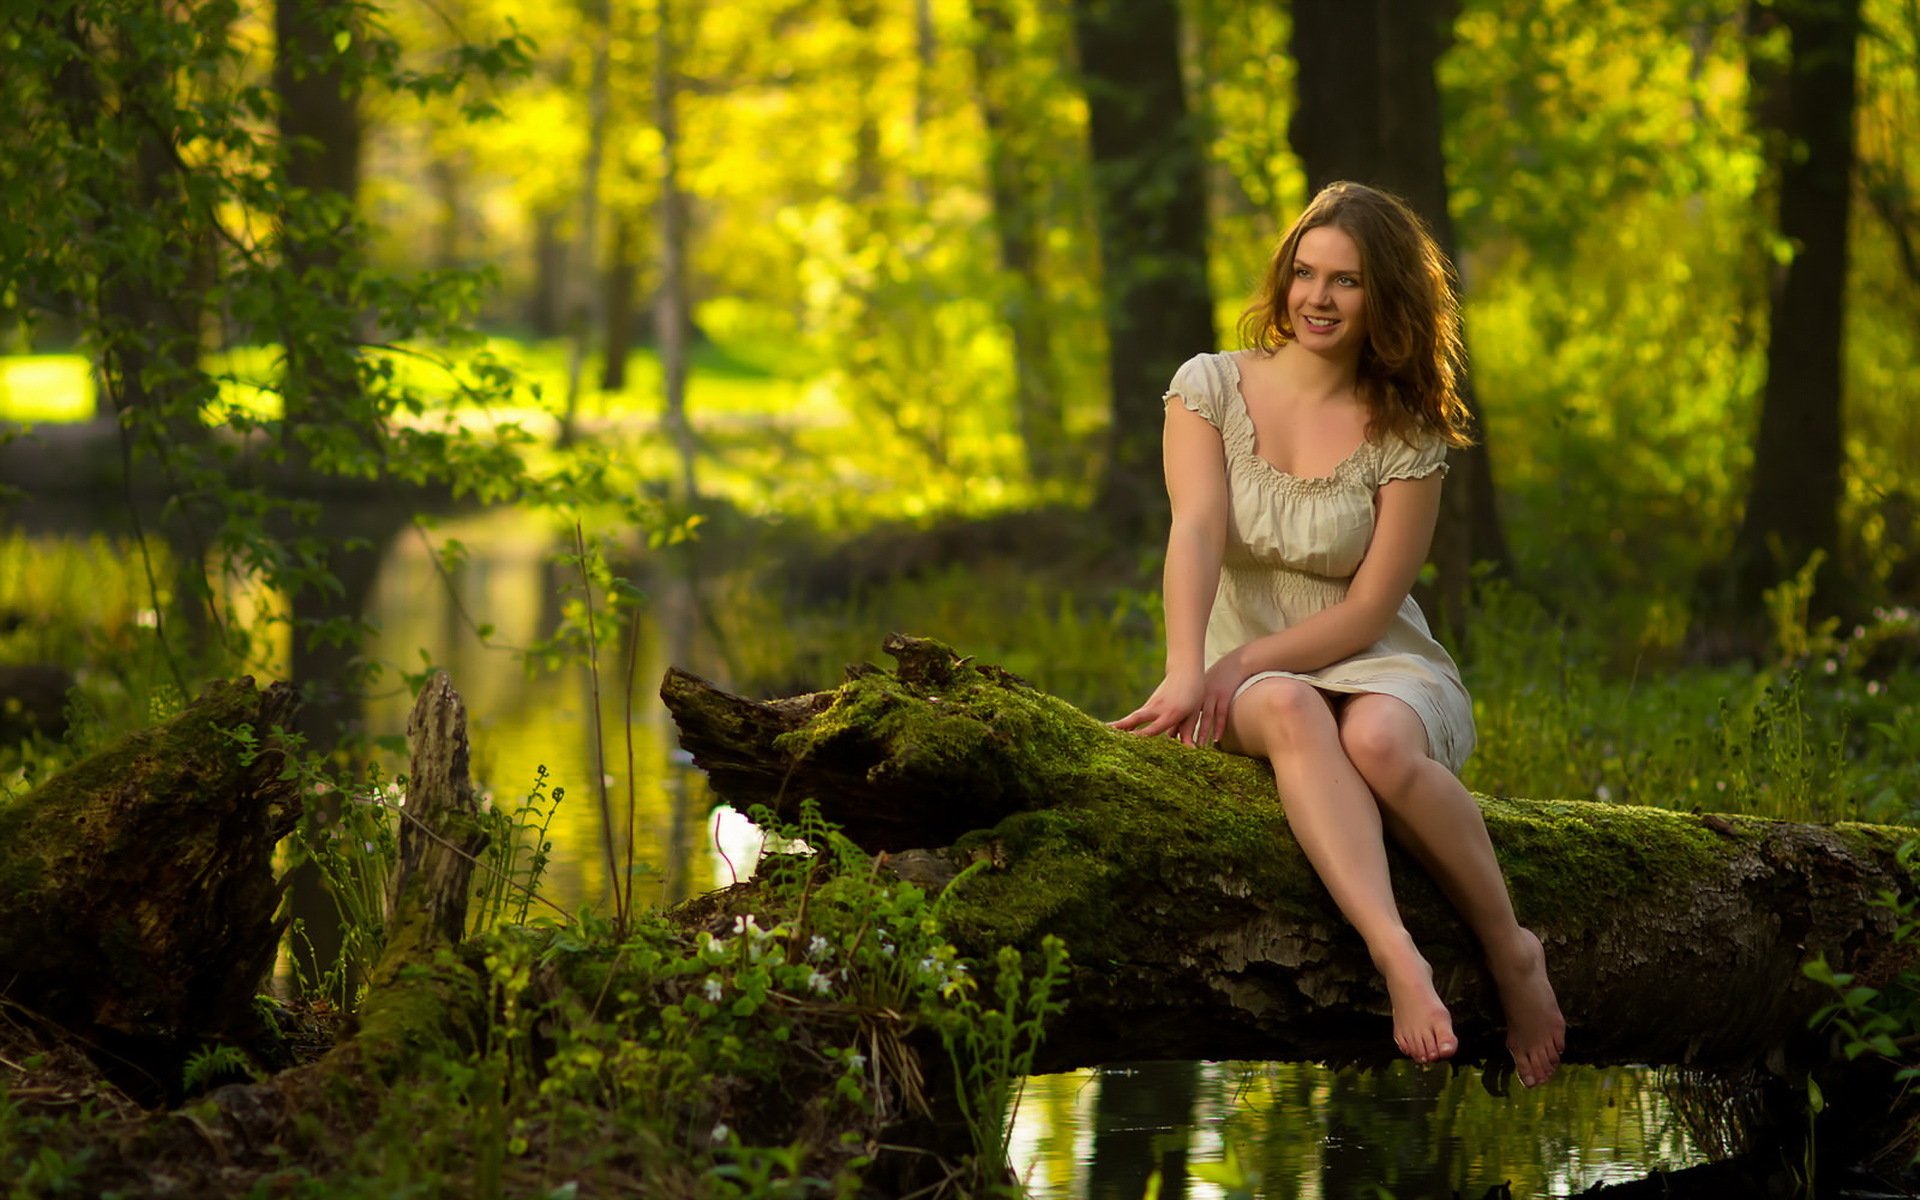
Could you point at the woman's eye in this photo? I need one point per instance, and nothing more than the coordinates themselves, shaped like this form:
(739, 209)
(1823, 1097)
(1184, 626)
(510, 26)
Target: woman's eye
(1349, 281)
(1301, 273)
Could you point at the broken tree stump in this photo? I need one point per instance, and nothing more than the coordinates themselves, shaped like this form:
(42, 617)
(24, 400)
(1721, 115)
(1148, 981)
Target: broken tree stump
(1198, 930)
(137, 892)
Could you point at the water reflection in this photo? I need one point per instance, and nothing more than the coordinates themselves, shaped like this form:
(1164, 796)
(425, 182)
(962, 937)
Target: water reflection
(1294, 1131)
(521, 718)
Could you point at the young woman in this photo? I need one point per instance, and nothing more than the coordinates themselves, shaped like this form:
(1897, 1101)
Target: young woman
(1304, 474)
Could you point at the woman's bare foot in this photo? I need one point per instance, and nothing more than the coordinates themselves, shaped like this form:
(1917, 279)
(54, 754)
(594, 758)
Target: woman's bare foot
(1536, 1032)
(1422, 1027)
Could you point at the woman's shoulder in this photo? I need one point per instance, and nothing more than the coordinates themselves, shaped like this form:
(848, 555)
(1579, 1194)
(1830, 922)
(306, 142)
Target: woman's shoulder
(1210, 368)
(1409, 453)
(1202, 381)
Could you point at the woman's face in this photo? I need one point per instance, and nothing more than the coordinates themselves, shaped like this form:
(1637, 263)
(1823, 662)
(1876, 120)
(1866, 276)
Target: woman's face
(1327, 300)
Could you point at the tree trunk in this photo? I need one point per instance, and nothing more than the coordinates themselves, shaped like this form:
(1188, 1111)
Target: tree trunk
(546, 302)
(1793, 498)
(1000, 75)
(1369, 111)
(1149, 185)
(581, 295)
(1199, 931)
(672, 306)
(139, 885)
(623, 279)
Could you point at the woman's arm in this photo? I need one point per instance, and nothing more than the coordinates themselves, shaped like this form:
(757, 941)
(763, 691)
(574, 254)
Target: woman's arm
(1196, 471)
(1406, 512)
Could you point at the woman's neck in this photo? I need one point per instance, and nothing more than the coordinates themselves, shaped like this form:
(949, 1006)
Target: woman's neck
(1315, 376)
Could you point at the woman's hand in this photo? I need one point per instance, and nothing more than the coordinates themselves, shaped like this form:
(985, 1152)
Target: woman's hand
(1223, 680)
(1192, 708)
(1171, 709)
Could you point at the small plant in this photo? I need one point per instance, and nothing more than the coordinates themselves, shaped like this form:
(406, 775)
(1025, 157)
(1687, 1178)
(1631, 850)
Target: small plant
(211, 1064)
(1882, 1021)
(350, 837)
(515, 860)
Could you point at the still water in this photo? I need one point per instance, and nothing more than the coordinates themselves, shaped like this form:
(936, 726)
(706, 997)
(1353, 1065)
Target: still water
(1291, 1131)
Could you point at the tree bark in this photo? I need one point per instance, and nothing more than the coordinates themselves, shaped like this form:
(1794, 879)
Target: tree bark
(1793, 499)
(139, 886)
(1197, 928)
(1369, 111)
(1150, 195)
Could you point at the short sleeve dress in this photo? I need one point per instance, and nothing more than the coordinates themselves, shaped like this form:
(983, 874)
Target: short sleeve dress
(1293, 545)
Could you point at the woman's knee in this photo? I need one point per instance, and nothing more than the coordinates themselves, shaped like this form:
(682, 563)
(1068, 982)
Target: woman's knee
(1286, 711)
(1386, 747)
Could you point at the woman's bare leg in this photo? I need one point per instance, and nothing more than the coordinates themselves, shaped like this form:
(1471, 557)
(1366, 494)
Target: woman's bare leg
(1337, 822)
(1430, 812)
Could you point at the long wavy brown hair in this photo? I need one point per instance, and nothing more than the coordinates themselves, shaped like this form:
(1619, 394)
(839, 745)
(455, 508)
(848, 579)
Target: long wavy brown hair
(1411, 366)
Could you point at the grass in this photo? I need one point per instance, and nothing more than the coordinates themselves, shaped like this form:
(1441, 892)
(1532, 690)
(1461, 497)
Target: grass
(45, 388)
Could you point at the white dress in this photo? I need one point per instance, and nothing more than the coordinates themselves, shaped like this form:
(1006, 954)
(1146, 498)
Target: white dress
(1293, 545)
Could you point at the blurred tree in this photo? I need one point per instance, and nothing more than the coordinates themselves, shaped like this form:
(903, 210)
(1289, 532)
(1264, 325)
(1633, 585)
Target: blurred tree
(673, 316)
(1005, 79)
(1804, 104)
(1369, 111)
(1149, 181)
(583, 296)
(97, 133)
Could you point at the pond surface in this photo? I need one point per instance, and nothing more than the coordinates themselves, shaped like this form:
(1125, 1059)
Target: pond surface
(1295, 1131)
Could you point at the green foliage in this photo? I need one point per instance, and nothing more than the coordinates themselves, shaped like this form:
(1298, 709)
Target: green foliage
(212, 1064)
(1814, 736)
(350, 835)
(515, 860)
(1885, 1020)
(764, 1059)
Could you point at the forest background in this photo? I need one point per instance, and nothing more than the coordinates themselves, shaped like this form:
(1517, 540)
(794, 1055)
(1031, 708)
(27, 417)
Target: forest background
(895, 288)
(851, 315)
(851, 270)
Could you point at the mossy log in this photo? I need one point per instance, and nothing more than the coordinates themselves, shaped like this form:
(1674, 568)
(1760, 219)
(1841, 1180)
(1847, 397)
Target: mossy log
(1198, 930)
(137, 891)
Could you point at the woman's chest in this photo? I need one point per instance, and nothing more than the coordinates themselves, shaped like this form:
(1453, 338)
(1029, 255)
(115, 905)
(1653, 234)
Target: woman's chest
(1321, 526)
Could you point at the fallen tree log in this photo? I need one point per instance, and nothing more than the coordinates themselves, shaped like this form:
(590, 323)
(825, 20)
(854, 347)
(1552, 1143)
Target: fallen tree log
(1198, 930)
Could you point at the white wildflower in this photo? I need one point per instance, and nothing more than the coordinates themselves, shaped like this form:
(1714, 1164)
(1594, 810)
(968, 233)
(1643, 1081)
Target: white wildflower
(856, 1061)
(819, 947)
(721, 1132)
(818, 983)
(1830, 666)
(928, 966)
(1873, 687)
(714, 989)
(1603, 793)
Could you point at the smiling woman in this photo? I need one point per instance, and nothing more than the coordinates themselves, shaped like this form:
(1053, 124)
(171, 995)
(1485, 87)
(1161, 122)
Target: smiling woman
(1304, 475)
